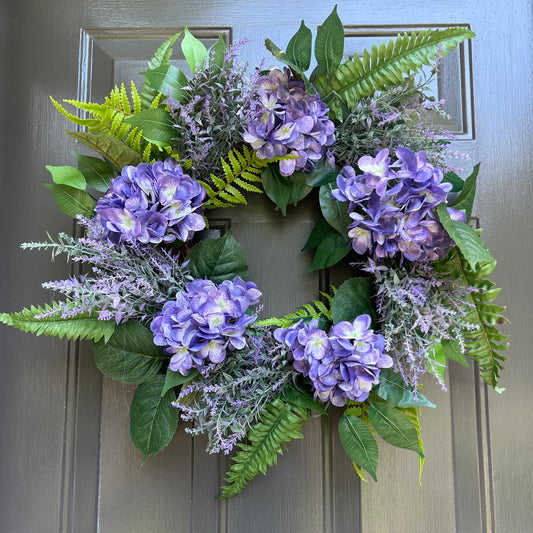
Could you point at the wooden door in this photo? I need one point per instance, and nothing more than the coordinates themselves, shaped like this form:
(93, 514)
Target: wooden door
(66, 460)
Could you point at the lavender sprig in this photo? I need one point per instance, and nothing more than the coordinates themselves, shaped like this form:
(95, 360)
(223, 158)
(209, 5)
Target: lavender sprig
(419, 308)
(227, 401)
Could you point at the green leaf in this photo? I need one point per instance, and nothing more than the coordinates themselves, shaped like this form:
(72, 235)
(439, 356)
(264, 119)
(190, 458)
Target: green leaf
(299, 48)
(483, 344)
(72, 201)
(194, 50)
(153, 418)
(329, 43)
(130, 355)
(352, 299)
(385, 66)
(465, 237)
(167, 79)
(277, 187)
(175, 379)
(218, 259)
(217, 53)
(452, 351)
(66, 175)
(456, 181)
(359, 444)
(299, 396)
(161, 58)
(321, 175)
(394, 427)
(436, 356)
(155, 125)
(393, 389)
(115, 151)
(81, 326)
(280, 423)
(97, 172)
(465, 200)
(299, 187)
(321, 231)
(333, 248)
(335, 212)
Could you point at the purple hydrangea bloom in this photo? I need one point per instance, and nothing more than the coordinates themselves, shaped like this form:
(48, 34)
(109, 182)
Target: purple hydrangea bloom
(343, 364)
(151, 204)
(197, 328)
(288, 121)
(393, 206)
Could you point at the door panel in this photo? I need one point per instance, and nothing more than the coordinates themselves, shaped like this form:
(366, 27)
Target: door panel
(67, 463)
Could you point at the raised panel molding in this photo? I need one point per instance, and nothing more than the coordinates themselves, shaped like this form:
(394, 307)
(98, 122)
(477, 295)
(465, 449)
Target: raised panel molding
(453, 84)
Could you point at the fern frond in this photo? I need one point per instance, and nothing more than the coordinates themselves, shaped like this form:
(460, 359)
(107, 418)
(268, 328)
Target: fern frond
(314, 310)
(484, 342)
(386, 66)
(280, 423)
(136, 98)
(81, 326)
(243, 167)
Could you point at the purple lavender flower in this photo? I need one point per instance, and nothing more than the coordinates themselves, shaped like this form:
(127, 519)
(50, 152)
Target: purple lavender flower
(151, 204)
(288, 121)
(205, 319)
(343, 364)
(393, 206)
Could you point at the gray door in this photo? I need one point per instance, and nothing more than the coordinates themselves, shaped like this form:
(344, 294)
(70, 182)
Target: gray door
(66, 460)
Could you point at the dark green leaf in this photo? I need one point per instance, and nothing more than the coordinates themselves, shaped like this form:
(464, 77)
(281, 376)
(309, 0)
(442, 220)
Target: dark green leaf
(218, 259)
(321, 175)
(452, 351)
(330, 251)
(153, 419)
(155, 125)
(194, 50)
(393, 389)
(167, 79)
(97, 172)
(301, 397)
(352, 299)
(72, 201)
(299, 48)
(281, 55)
(465, 200)
(320, 232)
(456, 181)
(335, 212)
(299, 187)
(115, 151)
(66, 175)
(277, 187)
(218, 52)
(466, 238)
(394, 427)
(359, 444)
(175, 379)
(329, 43)
(130, 355)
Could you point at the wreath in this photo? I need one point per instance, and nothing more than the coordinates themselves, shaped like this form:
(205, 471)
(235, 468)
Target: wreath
(174, 313)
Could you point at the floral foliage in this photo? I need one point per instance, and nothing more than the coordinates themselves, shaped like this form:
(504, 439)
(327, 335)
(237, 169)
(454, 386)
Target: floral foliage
(170, 309)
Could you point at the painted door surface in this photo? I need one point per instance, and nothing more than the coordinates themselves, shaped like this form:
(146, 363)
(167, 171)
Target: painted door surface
(66, 461)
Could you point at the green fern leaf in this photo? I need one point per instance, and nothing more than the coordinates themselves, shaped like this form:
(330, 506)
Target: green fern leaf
(280, 423)
(385, 66)
(81, 326)
(137, 105)
(482, 344)
(243, 166)
(161, 57)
